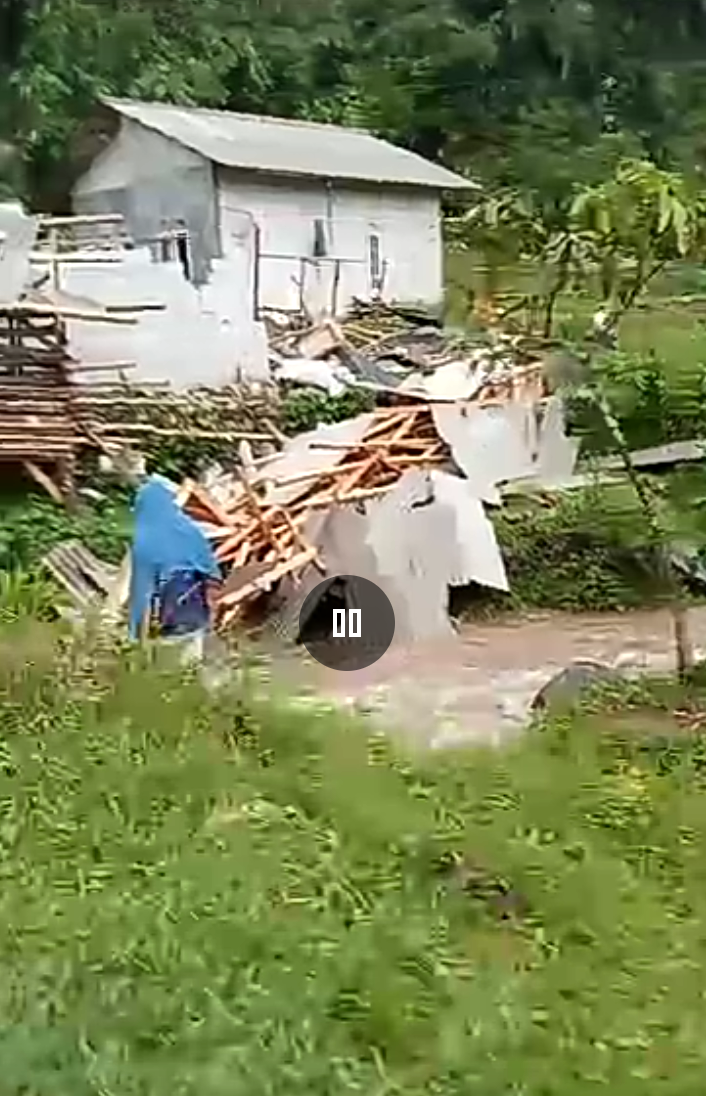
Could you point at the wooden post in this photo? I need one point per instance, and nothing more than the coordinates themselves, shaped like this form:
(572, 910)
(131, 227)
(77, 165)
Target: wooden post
(66, 469)
(55, 269)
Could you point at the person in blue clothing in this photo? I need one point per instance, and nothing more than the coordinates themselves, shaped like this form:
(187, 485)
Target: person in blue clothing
(173, 568)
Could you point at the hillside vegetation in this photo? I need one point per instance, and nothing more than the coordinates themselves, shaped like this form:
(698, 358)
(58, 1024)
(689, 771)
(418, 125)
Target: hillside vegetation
(536, 95)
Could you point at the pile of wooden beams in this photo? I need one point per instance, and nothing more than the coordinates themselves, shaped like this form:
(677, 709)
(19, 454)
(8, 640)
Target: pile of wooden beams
(37, 427)
(370, 324)
(262, 542)
(145, 414)
(36, 416)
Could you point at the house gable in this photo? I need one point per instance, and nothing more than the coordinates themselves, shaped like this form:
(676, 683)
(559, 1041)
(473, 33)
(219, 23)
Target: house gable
(135, 154)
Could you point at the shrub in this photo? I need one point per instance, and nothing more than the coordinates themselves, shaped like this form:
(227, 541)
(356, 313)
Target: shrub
(655, 402)
(304, 408)
(582, 550)
(31, 524)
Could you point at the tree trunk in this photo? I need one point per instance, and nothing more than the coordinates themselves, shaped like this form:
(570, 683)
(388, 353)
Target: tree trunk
(682, 642)
(666, 574)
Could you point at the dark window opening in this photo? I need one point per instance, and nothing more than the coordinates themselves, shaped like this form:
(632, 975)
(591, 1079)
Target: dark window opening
(183, 251)
(174, 244)
(375, 261)
(320, 249)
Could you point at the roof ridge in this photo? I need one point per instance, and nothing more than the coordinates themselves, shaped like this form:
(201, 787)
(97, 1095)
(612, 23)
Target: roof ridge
(304, 123)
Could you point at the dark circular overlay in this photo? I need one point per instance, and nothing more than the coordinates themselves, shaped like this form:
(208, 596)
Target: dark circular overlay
(346, 623)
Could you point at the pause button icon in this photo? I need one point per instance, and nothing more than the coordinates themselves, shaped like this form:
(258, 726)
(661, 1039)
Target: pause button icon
(339, 624)
(331, 630)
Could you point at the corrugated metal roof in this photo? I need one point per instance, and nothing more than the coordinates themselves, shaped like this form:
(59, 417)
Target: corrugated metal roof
(285, 147)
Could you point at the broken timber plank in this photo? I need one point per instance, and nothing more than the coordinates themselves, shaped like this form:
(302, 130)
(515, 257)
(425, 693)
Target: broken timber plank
(82, 574)
(402, 443)
(167, 432)
(69, 220)
(44, 481)
(260, 585)
(28, 308)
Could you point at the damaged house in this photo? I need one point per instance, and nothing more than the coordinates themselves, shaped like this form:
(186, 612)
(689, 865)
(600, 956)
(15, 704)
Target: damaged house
(304, 215)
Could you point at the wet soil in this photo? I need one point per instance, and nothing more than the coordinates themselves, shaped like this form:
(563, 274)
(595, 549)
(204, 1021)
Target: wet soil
(478, 685)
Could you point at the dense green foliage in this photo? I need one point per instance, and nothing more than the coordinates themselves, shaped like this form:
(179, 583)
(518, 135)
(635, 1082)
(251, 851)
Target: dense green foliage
(30, 526)
(590, 549)
(576, 552)
(655, 401)
(535, 95)
(205, 896)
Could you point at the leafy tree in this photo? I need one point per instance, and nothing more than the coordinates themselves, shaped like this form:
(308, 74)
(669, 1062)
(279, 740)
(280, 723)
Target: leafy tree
(619, 234)
(636, 223)
(660, 524)
(533, 96)
(614, 237)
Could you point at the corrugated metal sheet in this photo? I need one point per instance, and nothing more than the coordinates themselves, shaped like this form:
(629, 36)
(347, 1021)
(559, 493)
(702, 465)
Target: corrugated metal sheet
(285, 147)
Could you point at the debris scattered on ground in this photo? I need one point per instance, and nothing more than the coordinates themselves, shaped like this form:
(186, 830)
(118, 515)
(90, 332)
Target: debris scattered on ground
(567, 687)
(393, 348)
(263, 534)
(89, 581)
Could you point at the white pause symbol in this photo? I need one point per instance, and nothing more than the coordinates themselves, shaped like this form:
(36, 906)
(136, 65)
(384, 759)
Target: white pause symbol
(339, 624)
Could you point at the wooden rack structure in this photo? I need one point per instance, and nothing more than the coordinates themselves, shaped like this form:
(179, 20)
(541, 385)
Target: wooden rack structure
(37, 426)
(42, 426)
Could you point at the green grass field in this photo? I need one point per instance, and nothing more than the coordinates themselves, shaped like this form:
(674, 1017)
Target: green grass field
(212, 896)
(669, 324)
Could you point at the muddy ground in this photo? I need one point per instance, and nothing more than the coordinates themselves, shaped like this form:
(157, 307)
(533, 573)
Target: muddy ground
(479, 686)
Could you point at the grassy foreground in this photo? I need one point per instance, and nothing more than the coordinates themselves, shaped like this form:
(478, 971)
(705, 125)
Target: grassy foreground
(209, 897)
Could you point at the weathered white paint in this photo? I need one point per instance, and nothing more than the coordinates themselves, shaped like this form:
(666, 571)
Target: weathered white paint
(17, 235)
(203, 336)
(136, 154)
(154, 182)
(406, 220)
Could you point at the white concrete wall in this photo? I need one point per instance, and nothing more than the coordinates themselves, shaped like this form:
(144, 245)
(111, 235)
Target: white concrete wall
(204, 336)
(135, 154)
(17, 235)
(406, 220)
(153, 181)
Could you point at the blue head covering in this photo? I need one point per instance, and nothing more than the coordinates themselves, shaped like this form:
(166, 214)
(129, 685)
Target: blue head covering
(166, 540)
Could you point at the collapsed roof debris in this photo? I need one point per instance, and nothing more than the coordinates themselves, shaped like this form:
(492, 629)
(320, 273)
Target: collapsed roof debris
(390, 496)
(396, 495)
